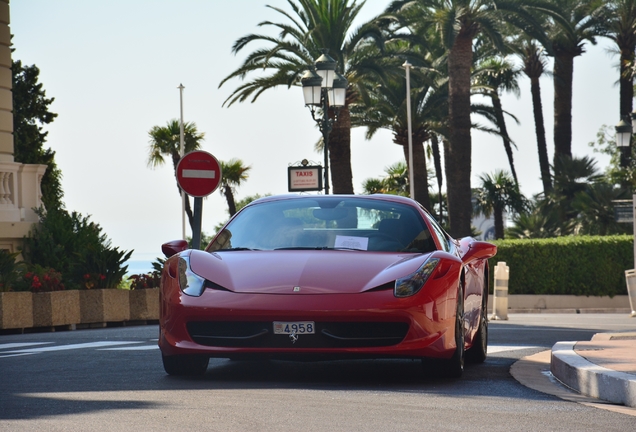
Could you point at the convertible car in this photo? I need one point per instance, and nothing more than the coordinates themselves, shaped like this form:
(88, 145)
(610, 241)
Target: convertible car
(315, 277)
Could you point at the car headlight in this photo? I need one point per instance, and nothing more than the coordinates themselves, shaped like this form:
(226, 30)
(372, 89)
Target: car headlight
(190, 283)
(411, 284)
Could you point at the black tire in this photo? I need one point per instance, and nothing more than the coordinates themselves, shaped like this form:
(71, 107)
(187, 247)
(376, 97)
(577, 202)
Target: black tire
(479, 351)
(185, 365)
(454, 367)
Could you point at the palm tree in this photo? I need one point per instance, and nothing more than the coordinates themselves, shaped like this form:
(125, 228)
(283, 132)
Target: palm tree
(234, 173)
(574, 23)
(493, 76)
(571, 177)
(534, 67)
(535, 224)
(498, 192)
(313, 25)
(396, 181)
(619, 22)
(165, 142)
(596, 210)
(382, 105)
(459, 22)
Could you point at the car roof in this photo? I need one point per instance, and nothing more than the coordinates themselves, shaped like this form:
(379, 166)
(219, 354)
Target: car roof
(379, 197)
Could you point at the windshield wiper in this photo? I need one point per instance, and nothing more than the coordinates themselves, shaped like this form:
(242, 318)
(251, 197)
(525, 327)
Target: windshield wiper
(299, 248)
(237, 249)
(317, 248)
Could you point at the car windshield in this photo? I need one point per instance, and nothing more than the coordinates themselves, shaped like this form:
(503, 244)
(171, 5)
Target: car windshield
(326, 223)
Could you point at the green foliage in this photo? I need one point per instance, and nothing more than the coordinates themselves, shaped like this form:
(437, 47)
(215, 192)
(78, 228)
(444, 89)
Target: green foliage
(574, 265)
(76, 247)
(30, 113)
(10, 270)
(100, 266)
(615, 173)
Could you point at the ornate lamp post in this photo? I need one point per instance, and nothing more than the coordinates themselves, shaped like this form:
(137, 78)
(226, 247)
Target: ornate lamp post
(623, 139)
(324, 87)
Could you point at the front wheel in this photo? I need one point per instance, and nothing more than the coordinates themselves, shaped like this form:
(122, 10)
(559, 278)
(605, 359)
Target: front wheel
(479, 351)
(191, 365)
(454, 367)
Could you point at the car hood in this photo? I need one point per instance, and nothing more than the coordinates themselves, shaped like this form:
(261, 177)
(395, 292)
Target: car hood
(303, 271)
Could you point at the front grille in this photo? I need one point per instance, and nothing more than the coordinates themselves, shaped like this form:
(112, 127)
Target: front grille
(248, 334)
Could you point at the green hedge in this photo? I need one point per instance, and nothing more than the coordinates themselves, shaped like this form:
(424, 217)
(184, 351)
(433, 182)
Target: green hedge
(577, 265)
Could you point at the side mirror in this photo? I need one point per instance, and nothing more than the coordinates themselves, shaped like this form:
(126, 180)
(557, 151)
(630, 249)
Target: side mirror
(479, 250)
(174, 247)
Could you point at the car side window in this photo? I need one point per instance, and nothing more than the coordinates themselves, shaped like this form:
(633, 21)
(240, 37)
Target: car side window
(439, 233)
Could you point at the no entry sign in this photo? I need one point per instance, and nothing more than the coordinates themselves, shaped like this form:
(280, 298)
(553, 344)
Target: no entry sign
(198, 173)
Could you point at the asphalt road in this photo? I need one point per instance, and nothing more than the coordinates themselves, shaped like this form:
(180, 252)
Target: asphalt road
(113, 380)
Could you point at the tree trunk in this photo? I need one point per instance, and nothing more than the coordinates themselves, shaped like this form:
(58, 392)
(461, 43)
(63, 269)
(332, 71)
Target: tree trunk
(501, 123)
(437, 160)
(340, 154)
(539, 127)
(229, 197)
(563, 74)
(458, 153)
(499, 225)
(626, 82)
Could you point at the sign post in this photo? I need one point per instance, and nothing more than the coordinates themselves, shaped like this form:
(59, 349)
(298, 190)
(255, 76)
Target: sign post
(198, 174)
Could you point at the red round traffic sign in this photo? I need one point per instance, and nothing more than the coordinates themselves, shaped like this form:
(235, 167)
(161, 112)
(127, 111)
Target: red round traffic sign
(198, 173)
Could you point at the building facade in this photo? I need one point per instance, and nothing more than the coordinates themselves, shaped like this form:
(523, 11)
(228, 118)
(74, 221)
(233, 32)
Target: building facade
(20, 191)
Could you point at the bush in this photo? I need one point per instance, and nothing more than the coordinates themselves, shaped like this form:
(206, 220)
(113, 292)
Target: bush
(145, 281)
(576, 265)
(76, 247)
(10, 270)
(40, 279)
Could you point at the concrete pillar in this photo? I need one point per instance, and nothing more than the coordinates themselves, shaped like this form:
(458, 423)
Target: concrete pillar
(6, 99)
(500, 301)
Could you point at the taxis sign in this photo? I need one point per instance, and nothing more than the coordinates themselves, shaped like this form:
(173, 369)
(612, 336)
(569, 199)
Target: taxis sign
(304, 178)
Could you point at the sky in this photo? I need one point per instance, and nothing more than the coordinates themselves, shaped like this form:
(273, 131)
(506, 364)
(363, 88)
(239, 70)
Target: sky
(114, 69)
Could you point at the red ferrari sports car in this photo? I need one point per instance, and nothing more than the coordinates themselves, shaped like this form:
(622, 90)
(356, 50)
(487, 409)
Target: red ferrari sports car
(312, 277)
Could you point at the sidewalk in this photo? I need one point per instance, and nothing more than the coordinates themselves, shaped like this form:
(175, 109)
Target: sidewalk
(603, 368)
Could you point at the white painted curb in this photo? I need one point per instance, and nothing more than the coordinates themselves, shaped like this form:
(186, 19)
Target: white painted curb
(589, 379)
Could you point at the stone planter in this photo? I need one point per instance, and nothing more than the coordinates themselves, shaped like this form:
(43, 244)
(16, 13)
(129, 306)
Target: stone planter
(104, 305)
(56, 308)
(144, 304)
(16, 310)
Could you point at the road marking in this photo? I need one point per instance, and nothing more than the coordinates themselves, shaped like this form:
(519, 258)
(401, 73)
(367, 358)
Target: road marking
(21, 345)
(132, 348)
(16, 355)
(71, 347)
(492, 349)
(21, 349)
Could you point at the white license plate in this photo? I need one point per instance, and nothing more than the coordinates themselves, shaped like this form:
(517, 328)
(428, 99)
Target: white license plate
(296, 327)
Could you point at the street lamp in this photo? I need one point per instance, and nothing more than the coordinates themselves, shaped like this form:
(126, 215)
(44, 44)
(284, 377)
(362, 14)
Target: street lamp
(324, 87)
(623, 139)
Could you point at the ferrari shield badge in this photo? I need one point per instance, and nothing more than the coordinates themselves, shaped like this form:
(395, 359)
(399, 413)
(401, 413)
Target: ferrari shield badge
(293, 337)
